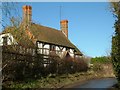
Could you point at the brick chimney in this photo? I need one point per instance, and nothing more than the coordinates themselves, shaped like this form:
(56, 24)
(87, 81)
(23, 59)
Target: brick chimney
(27, 15)
(64, 27)
(26, 22)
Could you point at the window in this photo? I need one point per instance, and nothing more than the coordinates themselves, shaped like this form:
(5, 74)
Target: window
(5, 40)
(52, 47)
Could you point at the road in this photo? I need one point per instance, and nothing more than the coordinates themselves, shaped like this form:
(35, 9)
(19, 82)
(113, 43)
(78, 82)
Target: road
(98, 83)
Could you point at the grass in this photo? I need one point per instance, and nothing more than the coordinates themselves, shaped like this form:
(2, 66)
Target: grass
(99, 70)
(50, 82)
(57, 81)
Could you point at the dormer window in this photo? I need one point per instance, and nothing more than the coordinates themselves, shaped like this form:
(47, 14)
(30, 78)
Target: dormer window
(5, 40)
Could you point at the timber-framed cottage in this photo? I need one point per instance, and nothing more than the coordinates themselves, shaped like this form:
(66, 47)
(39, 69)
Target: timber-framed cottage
(45, 39)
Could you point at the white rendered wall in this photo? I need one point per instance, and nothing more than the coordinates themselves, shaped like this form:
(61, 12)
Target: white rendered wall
(71, 53)
(39, 46)
(46, 51)
(10, 39)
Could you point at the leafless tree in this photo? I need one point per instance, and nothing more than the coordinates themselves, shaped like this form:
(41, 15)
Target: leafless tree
(10, 14)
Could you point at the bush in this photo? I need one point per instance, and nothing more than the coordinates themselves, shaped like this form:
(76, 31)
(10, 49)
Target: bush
(103, 59)
(116, 41)
(71, 66)
(97, 67)
(21, 69)
(24, 66)
(19, 66)
(116, 56)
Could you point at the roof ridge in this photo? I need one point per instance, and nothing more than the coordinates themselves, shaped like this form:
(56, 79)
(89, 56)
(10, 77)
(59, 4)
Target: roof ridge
(52, 29)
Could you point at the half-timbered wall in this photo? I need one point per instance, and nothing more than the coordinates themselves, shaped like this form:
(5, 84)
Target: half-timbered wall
(10, 39)
(44, 48)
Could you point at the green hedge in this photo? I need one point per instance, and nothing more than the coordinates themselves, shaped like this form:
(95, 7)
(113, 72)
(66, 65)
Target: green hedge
(24, 66)
(103, 59)
(116, 55)
(116, 42)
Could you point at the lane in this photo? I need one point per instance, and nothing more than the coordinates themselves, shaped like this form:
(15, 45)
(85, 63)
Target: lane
(98, 83)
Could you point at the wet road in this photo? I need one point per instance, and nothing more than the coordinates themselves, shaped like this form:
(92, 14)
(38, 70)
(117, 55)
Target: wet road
(98, 83)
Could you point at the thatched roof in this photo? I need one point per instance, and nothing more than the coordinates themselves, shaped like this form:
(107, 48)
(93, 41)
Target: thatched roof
(42, 34)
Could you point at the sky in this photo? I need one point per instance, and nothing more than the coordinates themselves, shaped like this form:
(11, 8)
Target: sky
(90, 25)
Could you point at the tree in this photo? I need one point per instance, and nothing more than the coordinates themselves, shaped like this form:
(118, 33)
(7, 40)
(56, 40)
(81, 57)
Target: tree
(10, 16)
(116, 40)
(10, 12)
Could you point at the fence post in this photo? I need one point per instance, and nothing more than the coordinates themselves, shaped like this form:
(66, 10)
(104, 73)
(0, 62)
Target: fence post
(0, 67)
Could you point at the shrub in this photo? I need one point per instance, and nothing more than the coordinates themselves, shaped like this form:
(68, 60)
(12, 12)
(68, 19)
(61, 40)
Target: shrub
(24, 66)
(116, 40)
(102, 59)
(116, 56)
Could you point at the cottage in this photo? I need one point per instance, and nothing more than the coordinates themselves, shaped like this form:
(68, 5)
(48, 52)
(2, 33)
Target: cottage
(45, 39)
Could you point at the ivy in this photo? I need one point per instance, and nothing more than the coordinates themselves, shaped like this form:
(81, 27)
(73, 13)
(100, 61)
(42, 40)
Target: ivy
(116, 42)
